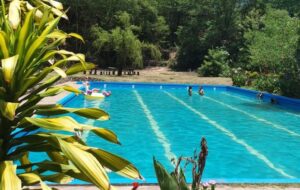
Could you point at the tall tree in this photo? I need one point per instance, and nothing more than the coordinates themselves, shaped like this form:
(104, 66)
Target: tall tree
(122, 46)
(212, 23)
(176, 13)
(150, 27)
(273, 46)
(292, 6)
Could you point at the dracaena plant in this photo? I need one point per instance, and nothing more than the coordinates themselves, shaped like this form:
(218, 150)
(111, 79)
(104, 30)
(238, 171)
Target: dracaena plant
(18, 8)
(31, 64)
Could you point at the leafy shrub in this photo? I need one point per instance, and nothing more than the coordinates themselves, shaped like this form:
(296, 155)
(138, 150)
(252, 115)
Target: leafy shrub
(269, 83)
(289, 84)
(239, 79)
(150, 52)
(215, 64)
(243, 78)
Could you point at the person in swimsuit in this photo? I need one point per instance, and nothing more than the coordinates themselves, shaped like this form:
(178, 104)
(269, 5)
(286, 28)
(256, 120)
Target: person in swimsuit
(201, 91)
(190, 90)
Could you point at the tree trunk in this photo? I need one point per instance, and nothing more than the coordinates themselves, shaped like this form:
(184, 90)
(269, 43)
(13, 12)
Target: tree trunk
(120, 69)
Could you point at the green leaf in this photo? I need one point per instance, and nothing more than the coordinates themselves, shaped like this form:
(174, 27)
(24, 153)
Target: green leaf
(62, 123)
(183, 185)
(92, 113)
(57, 34)
(86, 163)
(24, 32)
(57, 178)
(8, 109)
(57, 157)
(77, 57)
(51, 92)
(34, 139)
(52, 166)
(8, 178)
(76, 36)
(116, 163)
(106, 134)
(60, 72)
(59, 13)
(71, 89)
(8, 67)
(165, 180)
(35, 147)
(79, 67)
(2, 91)
(38, 14)
(40, 40)
(3, 45)
(56, 4)
(24, 160)
(31, 179)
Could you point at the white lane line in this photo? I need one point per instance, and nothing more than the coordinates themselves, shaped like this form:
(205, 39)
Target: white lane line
(247, 100)
(254, 117)
(237, 97)
(249, 148)
(155, 127)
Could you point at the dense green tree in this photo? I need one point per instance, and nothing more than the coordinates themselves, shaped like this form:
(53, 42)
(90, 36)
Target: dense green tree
(120, 44)
(150, 27)
(176, 14)
(273, 47)
(289, 80)
(216, 64)
(292, 6)
(212, 23)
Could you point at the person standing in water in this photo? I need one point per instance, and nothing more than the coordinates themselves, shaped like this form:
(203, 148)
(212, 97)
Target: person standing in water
(190, 90)
(87, 87)
(201, 91)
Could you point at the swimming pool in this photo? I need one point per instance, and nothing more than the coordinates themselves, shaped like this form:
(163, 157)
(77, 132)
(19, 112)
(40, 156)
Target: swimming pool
(248, 140)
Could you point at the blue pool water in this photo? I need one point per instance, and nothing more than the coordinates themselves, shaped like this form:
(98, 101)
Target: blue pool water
(248, 140)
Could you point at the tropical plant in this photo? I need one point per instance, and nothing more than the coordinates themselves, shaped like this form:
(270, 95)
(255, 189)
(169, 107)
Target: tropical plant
(176, 179)
(18, 9)
(31, 64)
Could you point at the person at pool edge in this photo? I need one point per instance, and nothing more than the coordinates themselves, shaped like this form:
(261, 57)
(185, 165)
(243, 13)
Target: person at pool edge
(190, 90)
(273, 101)
(201, 91)
(260, 96)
